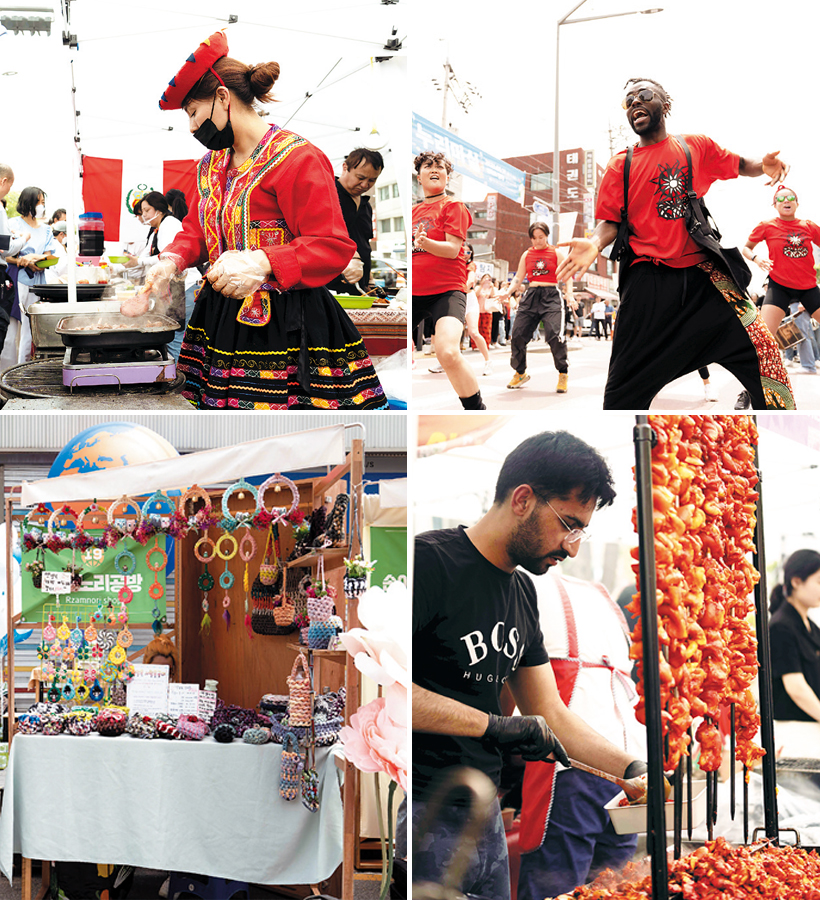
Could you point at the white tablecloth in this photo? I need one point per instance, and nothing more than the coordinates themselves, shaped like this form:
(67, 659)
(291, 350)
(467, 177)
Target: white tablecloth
(199, 807)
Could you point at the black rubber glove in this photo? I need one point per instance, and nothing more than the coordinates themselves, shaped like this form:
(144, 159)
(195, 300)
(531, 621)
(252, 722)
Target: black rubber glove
(635, 769)
(528, 735)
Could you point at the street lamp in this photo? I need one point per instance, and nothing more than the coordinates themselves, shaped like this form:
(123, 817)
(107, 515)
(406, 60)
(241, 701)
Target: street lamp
(566, 20)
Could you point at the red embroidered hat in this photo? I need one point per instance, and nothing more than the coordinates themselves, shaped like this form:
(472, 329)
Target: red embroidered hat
(197, 64)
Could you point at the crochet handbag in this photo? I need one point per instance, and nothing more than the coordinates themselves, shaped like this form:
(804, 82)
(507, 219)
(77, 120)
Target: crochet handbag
(291, 768)
(192, 728)
(284, 614)
(111, 722)
(270, 571)
(310, 781)
(319, 635)
(300, 700)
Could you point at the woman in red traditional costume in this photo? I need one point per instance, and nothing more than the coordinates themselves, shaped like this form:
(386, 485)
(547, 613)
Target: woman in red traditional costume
(264, 333)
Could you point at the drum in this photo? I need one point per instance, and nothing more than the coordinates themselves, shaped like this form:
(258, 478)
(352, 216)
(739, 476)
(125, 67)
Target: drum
(788, 335)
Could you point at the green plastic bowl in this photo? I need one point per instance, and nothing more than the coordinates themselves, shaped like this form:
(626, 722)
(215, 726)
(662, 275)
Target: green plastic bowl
(45, 263)
(119, 260)
(348, 301)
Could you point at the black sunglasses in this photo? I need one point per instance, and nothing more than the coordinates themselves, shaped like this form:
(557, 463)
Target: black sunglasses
(645, 96)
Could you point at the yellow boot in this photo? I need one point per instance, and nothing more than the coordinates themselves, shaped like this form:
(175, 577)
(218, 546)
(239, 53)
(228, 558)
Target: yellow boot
(562, 383)
(518, 381)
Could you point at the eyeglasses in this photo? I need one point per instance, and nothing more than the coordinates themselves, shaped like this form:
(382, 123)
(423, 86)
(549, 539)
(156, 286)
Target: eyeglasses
(782, 198)
(645, 96)
(573, 535)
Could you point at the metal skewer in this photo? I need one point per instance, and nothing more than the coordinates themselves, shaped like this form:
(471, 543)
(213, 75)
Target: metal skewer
(732, 764)
(689, 786)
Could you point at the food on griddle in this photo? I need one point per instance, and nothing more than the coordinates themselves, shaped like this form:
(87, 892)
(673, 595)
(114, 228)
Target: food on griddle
(703, 479)
(135, 306)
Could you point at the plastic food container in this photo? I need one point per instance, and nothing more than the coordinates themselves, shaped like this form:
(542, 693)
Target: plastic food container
(348, 301)
(92, 234)
(632, 819)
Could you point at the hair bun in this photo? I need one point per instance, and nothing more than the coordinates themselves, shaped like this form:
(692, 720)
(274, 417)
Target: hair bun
(261, 79)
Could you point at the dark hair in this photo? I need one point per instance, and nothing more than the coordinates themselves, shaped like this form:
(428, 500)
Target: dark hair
(158, 201)
(469, 248)
(246, 83)
(538, 226)
(801, 564)
(666, 97)
(362, 154)
(554, 464)
(178, 203)
(55, 214)
(431, 156)
(27, 201)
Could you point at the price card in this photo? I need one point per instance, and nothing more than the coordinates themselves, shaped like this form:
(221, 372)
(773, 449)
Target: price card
(183, 700)
(207, 705)
(147, 692)
(56, 583)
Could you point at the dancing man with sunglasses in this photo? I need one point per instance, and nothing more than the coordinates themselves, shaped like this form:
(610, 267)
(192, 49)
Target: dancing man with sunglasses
(680, 308)
(476, 631)
(790, 267)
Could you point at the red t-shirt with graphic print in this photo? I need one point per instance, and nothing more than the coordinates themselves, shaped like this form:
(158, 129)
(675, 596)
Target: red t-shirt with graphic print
(657, 193)
(789, 245)
(437, 274)
(541, 265)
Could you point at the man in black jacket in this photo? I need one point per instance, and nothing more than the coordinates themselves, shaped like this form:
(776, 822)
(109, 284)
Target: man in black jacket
(360, 170)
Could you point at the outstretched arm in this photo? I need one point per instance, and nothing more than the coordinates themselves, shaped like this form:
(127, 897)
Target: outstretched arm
(763, 261)
(519, 275)
(436, 714)
(770, 165)
(583, 253)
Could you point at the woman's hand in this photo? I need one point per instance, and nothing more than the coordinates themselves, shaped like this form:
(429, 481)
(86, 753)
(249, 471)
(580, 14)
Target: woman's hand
(775, 168)
(764, 262)
(420, 238)
(582, 254)
(239, 273)
(354, 271)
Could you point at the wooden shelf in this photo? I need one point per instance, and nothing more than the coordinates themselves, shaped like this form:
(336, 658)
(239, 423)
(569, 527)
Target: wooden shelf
(333, 557)
(339, 656)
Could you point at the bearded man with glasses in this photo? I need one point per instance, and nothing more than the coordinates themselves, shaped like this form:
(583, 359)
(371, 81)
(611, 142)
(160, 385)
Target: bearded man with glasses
(680, 307)
(476, 630)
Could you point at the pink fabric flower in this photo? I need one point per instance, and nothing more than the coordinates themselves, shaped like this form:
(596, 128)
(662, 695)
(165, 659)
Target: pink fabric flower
(374, 743)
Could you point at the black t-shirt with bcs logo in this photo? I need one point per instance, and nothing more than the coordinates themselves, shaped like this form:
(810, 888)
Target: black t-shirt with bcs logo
(473, 626)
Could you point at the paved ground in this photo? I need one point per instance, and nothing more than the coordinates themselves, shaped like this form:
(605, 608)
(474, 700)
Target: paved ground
(588, 362)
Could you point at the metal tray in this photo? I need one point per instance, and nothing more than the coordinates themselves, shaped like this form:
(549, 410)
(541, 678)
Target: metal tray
(106, 330)
(58, 293)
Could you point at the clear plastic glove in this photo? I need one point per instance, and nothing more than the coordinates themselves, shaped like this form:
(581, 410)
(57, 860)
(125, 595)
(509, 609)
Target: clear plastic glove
(157, 284)
(237, 274)
(354, 271)
(528, 735)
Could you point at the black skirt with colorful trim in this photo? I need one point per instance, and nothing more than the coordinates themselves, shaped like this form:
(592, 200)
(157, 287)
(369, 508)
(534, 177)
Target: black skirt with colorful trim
(309, 356)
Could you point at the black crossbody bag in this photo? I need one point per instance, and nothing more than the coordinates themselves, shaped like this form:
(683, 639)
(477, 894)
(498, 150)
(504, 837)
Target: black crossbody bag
(699, 223)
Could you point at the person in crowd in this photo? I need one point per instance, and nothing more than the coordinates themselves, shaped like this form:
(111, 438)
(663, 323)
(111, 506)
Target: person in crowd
(789, 265)
(360, 171)
(137, 246)
(599, 319)
(566, 837)
(708, 390)
(177, 203)
(794, 639)
(476, 631)
(40, 245)
(59, 215)
(498, 334)
(609, 319)
(162, 651)
(484, 294)
(541, 303)
(440, 272)
(680, 308)
(265, 333)
(472, 312)
(10, 245)
(55, 274)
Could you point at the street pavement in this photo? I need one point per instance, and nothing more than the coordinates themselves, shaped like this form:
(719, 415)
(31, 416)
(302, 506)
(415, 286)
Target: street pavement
(588, 363)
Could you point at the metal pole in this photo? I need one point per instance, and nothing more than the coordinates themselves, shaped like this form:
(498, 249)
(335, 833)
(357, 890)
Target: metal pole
(764, 680)
(655, 812)
(556, 150)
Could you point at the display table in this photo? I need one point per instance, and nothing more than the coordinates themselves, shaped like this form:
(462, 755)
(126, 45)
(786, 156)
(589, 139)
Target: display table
(199, 807)
(383, 330)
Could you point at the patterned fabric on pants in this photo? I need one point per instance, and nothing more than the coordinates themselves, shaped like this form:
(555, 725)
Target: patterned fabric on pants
(488, 873)
(579, 842)
(485, 326)
(539, 304)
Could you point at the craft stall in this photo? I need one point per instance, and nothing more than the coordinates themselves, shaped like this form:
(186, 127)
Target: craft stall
(702, 647)
(244, 732)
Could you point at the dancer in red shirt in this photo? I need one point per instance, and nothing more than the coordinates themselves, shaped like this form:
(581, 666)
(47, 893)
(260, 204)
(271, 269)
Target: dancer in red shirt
(440, 272)
(541, 303)
(680, 310)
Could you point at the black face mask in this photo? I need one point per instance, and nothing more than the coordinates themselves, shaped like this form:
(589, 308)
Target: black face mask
(211, 137)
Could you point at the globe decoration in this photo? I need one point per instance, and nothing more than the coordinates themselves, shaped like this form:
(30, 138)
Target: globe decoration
(110, 446)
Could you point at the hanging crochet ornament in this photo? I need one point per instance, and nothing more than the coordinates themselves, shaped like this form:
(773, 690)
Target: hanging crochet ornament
(247, 551)
(98, 615)
(125, 563)
(310, 780)
(276, 513)
(202, 519)
(125, 528)
(156, 591)
(97, 692)
(91, 632)
(49, 631)
(153, 507)
(291, 768)
(64, 632)
(230, 521)
(204, 551)
(77, 637)
(226, 579)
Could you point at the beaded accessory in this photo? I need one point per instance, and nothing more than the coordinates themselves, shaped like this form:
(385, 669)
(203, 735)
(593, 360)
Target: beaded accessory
(300, 692)
(291, 766)
(310, 781)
